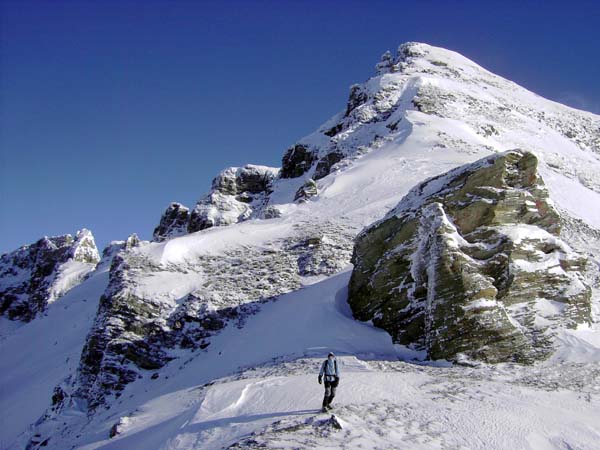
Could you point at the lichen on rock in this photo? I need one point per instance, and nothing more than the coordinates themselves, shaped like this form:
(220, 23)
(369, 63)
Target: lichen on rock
(470, 265)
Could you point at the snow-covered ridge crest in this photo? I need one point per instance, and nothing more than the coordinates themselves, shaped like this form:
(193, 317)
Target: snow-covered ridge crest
(480, 111)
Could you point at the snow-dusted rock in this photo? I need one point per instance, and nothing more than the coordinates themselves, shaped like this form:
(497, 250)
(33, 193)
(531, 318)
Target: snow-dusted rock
(470, 264)
(37, 274)
(307, 190)
(173, 222)
(140, 326)
(237, 194)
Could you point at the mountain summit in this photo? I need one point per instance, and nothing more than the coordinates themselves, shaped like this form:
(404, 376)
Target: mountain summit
(444, 216)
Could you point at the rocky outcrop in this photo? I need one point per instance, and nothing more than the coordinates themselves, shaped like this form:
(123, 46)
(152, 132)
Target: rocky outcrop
(306, 191)
(35, 275)
(114, 247)
(326, 163)
(137, 331)
(125, 335)
(470, 265)
(297, 160)
(173, 222)
(237, 194)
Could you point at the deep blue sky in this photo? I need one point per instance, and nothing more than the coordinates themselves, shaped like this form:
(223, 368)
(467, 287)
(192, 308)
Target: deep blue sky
(109, 110)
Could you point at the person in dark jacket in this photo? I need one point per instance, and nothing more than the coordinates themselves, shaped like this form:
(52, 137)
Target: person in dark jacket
(329, 370)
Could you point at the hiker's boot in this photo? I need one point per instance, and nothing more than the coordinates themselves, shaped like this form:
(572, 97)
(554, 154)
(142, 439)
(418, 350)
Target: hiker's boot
(329, 400)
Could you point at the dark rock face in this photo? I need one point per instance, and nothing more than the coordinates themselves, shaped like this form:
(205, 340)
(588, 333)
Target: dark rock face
(470, 265)
(325, 163)
(124, 334)
(296, 161)
(172, 223)
(39, 273)
(356, 98)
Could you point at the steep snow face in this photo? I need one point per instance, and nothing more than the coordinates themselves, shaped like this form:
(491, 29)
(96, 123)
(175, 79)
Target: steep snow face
(35, 275)
(467, 109)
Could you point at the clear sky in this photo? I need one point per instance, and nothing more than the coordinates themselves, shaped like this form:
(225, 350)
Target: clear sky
(109, 110)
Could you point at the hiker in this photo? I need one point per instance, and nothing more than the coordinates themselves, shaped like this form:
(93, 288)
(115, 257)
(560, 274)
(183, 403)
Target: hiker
(330, 370)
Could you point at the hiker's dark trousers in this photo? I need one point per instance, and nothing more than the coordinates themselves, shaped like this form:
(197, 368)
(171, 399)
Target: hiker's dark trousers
(329, 393)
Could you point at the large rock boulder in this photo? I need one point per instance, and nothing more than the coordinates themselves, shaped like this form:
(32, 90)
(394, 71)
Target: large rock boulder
(470, 265)
(37, 274)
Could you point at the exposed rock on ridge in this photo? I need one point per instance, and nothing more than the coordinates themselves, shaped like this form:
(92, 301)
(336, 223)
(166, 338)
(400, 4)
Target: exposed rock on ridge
(137, 330)
(35, 275)
(237, 194)
(174, 222)
(470, 265)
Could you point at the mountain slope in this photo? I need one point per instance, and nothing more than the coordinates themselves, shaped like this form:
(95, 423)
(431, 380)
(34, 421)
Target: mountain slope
(275, 361)
(180, 301)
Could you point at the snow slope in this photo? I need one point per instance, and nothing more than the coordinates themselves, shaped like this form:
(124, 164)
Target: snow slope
(39, 355)
(381, 403)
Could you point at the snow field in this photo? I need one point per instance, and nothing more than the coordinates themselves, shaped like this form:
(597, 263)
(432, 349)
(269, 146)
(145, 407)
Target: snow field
(270, 368)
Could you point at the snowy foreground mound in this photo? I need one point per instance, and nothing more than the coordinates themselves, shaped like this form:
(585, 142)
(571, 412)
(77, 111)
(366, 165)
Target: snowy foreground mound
(209, 336)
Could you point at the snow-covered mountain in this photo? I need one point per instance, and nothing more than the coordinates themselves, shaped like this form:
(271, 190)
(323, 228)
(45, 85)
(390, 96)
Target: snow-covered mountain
(35, 275)
(213, 331)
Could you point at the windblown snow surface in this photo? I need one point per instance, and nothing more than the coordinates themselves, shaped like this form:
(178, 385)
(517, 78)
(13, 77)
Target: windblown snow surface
(255, 386)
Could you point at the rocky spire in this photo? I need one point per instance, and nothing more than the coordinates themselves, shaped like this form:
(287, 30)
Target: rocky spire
(37, 274)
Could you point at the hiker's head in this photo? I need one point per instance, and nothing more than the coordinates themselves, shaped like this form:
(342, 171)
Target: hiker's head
(331, 355)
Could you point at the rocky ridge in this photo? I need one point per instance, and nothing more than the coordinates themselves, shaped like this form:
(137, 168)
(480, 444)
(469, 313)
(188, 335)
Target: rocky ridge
(37, 274)
(237, 194)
